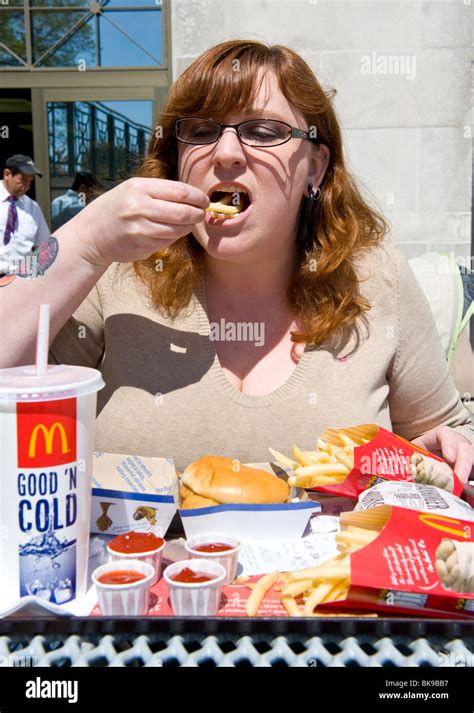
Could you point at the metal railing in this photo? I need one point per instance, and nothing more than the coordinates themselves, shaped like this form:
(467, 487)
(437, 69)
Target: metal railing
(90, 136)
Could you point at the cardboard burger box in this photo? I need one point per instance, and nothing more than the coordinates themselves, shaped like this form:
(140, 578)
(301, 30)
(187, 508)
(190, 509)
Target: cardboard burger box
(255, 522)
(131, 492)
(134, 492)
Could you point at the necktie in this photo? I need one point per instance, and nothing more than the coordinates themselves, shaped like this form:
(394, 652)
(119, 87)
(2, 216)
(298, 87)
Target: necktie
(12, 220)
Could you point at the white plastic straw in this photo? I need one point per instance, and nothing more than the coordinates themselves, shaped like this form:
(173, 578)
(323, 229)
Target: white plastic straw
(42, 340)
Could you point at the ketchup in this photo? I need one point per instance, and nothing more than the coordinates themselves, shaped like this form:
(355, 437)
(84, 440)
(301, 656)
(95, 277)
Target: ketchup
(213, 547)
(136, 542)
(120, 576)
(190, 577)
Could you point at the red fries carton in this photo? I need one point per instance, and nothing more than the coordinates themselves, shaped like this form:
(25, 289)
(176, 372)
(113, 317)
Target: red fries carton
(372, 454)
(412, 562)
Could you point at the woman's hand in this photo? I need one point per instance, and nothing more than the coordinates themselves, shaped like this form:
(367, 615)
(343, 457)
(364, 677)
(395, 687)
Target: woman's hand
(454, 448)
(135, 219)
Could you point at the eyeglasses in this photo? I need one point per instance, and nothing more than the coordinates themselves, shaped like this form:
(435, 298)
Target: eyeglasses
(256, 132)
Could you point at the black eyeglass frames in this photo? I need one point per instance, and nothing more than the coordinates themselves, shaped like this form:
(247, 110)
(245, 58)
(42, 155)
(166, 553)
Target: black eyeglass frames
(254, 132)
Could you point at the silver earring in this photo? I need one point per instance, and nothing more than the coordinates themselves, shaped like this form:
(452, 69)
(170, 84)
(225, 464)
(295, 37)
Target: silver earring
(314, 195)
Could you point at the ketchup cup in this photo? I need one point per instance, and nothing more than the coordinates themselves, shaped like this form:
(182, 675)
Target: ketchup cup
(227, 558)
(195, 599)
(152, 557)
(131, 599)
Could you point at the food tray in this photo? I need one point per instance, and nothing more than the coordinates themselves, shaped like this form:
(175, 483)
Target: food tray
(383, 626)
(229, 642)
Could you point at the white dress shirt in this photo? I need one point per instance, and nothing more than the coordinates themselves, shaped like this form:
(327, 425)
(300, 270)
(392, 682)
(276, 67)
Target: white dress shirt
(31, 231)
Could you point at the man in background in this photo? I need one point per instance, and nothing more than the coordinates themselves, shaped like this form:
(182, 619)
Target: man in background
(65, 207)
(22, 223)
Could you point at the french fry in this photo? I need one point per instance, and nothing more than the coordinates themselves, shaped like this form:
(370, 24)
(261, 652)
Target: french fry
(356, 538)
(295, 589)
(316, 596)
(313, 481)
(322, 469)
(221, 207)
(318, 468)
(330, 581)
(334, 570)
(291, 606)
(322, 457)
(344, 458)
(332, 460)
(346, 440)
(362, 531)
(317, 457)
(259, 589)
(241, 580)
(300, 456)
(283, 460)
(339, 591)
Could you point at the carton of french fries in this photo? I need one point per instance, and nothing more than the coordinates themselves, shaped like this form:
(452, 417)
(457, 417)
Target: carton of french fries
(347, 461)
(391, 560)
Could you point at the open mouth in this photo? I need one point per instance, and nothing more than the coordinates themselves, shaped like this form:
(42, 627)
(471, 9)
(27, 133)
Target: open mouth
(226, 204)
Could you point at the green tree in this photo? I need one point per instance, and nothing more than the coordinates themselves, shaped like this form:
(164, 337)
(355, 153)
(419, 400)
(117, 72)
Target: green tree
(47, 28)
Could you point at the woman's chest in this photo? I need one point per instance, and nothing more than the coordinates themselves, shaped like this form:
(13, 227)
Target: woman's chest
(256, 358)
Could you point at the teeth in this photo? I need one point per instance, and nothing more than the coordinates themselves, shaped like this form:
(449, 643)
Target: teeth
(230, 188)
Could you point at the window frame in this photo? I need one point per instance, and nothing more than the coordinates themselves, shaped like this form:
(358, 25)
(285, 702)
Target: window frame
(29, 10)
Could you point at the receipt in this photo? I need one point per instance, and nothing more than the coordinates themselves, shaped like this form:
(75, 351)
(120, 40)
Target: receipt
(263, 556)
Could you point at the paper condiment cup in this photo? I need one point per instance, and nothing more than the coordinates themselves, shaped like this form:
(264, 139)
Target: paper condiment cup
(152, 557)
(124, 599)
(228, 559)
(199, 599)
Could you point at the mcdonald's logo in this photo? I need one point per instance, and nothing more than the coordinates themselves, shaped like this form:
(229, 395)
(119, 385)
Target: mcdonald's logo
(46, 433)
(449, 525)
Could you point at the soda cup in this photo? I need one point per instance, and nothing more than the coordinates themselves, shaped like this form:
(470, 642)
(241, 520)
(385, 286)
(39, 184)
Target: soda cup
(47, 425)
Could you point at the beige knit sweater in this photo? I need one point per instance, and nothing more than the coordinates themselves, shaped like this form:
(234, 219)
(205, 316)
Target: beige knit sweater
(166, 394)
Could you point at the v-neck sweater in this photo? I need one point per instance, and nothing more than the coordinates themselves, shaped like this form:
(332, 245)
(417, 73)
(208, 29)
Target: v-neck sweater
(167, 395)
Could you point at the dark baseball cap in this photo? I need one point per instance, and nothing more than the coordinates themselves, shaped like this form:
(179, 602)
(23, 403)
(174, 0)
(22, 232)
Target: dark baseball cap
(24, 163)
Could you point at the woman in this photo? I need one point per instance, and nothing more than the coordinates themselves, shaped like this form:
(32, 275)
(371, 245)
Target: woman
(230, 335)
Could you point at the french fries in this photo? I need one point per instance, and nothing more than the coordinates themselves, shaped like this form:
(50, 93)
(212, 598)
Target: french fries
(258, 592)
(282, 460)
(330, 463)
(222, 208)
(304, 590)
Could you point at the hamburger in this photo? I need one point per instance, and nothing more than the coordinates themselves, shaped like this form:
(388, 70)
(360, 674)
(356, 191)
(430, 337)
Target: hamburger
(215, 480)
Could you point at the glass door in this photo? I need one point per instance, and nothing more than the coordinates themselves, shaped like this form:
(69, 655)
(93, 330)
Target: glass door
(98, 135)
(92, 146)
